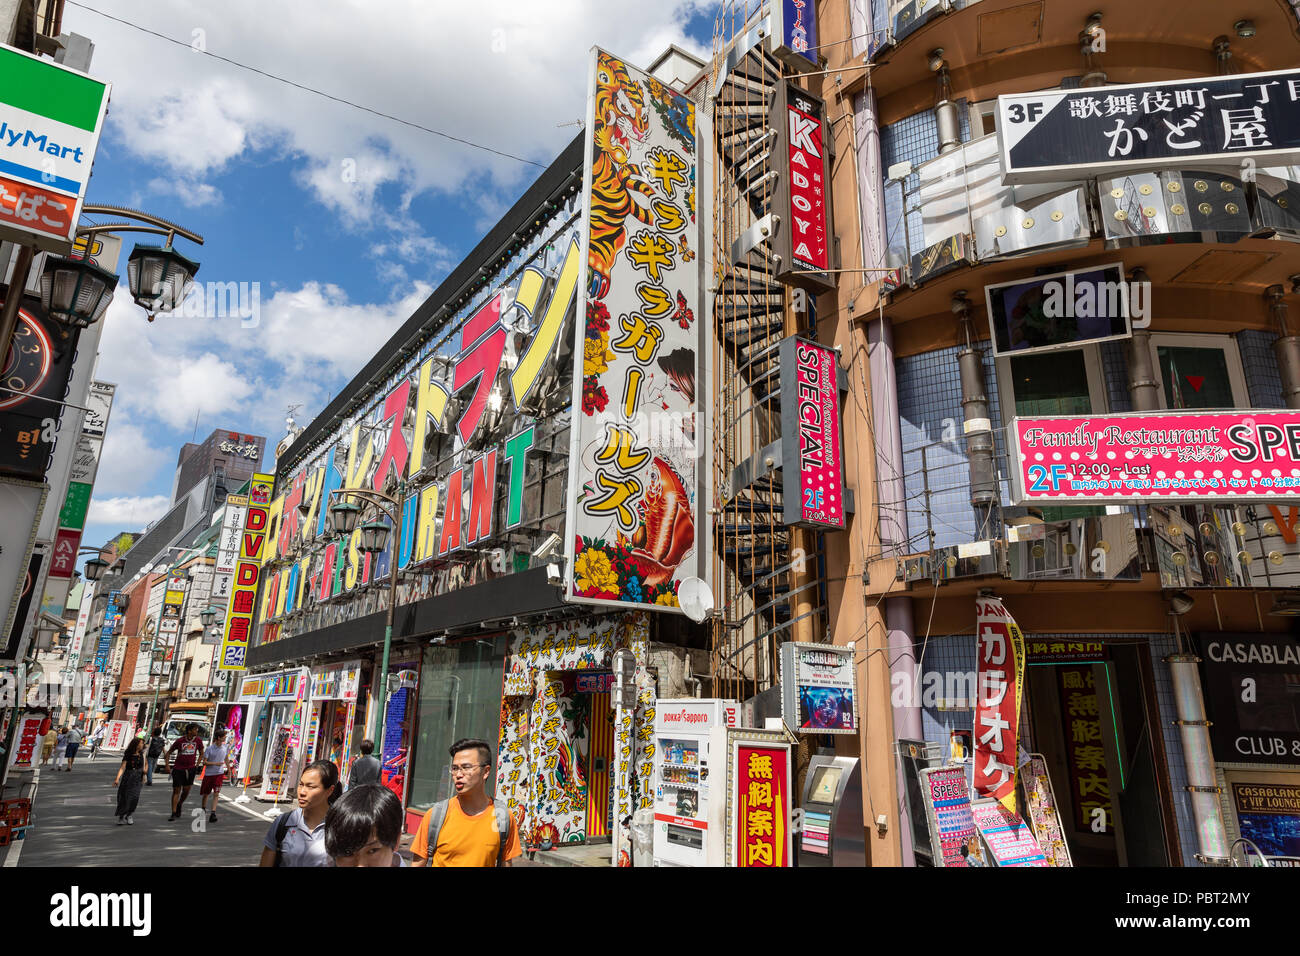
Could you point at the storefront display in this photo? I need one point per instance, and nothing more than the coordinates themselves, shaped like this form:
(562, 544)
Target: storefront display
(953, 837)
(1041, 811)
(274, 721)
(331, 714)
(233, 719)
(1008, 837)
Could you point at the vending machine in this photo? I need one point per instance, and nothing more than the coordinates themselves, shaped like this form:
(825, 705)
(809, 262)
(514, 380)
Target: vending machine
(689, 807)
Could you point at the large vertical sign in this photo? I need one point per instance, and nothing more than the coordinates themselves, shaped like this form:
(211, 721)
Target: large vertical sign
(112, 621)
(1085, 752)
(633, 508)
(759, 800)
(812, 459)
(243, 593)
(20, 504)
(50, 119)
(232, 529)
(999, 678)
(802, 197)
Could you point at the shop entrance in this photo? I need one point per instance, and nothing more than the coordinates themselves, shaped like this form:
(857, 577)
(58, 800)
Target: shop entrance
(600, 764)
(1091, 716)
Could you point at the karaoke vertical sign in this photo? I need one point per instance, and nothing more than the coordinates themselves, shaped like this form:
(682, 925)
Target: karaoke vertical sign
(243, 593)
(1000, 676)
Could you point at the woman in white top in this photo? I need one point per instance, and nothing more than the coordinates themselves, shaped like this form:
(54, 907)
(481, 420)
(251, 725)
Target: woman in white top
(297, 838)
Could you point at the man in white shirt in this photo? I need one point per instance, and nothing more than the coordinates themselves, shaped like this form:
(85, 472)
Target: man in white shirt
(216, 759)
(75, 737)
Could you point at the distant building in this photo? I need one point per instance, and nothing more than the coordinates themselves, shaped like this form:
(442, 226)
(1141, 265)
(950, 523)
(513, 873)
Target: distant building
(231, 457)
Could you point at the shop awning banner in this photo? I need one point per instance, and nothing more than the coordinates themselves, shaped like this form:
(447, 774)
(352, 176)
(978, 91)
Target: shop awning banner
(1182, 455)
(1000, 648)
(243, 594)
(633, 507)
(1066, 135)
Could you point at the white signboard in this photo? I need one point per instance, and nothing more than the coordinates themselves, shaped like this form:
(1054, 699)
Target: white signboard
(20, 504)
(117, 734)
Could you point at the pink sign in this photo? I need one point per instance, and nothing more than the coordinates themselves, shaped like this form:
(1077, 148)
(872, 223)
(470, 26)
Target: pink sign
(1009, 837)
(1233, 455)
(810, 427)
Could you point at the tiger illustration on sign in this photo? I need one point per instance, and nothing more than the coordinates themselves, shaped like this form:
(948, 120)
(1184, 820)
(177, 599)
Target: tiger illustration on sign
(620, 116)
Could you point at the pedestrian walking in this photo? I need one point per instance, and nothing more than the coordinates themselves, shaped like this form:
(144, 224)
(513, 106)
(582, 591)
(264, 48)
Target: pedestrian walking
(468, 829)
(363, 828)
(48, 743)
(216, 764)
(297, 837)
(60, 747)
(365, 769)
(75, 737)
(130, 775)
(156, 745)
(96, 741)
(188, 750)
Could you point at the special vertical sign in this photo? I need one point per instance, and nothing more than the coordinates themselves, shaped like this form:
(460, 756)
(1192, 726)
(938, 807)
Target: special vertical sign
(802, 238)
(811, 454)
(243, 594)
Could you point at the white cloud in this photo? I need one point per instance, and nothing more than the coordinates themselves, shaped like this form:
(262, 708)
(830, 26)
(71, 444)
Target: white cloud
(504, 76)
(191, 193)
(129, 458)
(128, 512)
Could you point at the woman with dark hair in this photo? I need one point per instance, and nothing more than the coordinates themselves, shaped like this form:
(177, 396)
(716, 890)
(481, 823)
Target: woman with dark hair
(364, 827)
(130, 777)
(297, 837)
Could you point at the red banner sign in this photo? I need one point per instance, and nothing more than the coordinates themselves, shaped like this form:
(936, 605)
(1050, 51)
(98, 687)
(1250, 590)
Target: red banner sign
(33, 209)
(762, 834)
(64, 561)
(810, 417)
(1000, 676)
(807, 190)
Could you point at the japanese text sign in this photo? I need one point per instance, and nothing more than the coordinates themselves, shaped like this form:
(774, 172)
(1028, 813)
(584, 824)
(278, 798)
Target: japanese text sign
(1000, 651)
(1009, 838)
(759, 801)
(812, 461)
(50, 120)
(27, 741)
(802, 199)
(252, 543)
(818, 688)
(1201, 456)
(117, 734)
(1085, 753)
(798, 33)
(634, 503)
(947, 805)
(1062, 135)
(64, 560)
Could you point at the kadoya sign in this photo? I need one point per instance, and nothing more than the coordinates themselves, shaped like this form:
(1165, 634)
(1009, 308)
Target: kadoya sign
(50, 120)
(1145, 456)
(802, 199)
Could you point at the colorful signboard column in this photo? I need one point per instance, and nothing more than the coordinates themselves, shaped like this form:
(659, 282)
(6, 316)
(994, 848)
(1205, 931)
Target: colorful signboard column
(1000, 649)
(759, 799)
(947, 807)
(812, 460)
(1157, 456)
(243, 595)
(50, 120)
(633, 506)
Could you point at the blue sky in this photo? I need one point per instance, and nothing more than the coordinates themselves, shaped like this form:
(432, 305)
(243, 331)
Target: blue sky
(344, 221)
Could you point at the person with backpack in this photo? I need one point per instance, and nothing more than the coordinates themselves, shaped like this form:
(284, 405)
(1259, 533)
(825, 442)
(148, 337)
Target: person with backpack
(156, 746)
(469, 829)
(297, 837)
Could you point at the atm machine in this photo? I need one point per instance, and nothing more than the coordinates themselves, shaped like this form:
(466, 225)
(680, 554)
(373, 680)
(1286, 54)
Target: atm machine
(833, 833)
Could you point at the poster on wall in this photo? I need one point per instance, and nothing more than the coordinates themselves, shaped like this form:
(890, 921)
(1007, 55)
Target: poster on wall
(1269, 816)
(1009, 838)
(759, 800)
(812, 459)
(947, 807)
(818, 693)
(1000, 649)
(638, 418)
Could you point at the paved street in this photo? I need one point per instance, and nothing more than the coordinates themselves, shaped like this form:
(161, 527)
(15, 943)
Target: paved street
(74, 825)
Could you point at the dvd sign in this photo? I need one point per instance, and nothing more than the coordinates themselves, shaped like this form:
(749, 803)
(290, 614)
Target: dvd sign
(803, 236)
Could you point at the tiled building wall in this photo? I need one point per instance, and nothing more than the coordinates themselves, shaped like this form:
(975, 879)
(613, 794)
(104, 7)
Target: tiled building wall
(1263, 381)
(930, 417)
(955, 653)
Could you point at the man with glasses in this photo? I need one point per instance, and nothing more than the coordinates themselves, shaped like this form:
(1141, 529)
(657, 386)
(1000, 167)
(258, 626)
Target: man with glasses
(468, 829)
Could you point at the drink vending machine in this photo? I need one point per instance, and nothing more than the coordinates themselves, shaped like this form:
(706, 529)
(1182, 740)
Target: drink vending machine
(689, 807)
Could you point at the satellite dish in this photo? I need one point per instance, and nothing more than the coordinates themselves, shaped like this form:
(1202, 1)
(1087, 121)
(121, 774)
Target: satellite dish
(695, 598)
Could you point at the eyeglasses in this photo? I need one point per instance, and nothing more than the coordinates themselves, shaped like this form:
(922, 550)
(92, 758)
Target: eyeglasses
(464, 768)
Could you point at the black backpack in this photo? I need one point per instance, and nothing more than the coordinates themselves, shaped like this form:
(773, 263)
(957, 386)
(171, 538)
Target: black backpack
(281, 829)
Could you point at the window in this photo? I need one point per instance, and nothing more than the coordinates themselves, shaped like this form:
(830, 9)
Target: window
(983, 118)
(1199, 371)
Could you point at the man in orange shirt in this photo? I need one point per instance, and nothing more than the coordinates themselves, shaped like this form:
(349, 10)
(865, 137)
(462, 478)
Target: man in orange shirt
(468, 829)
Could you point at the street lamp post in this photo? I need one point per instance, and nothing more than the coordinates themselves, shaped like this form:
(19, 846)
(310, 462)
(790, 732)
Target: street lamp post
(344, 516)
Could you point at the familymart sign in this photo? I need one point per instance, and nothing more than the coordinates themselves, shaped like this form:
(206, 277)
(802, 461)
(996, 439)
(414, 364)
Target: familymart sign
(50, 120)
